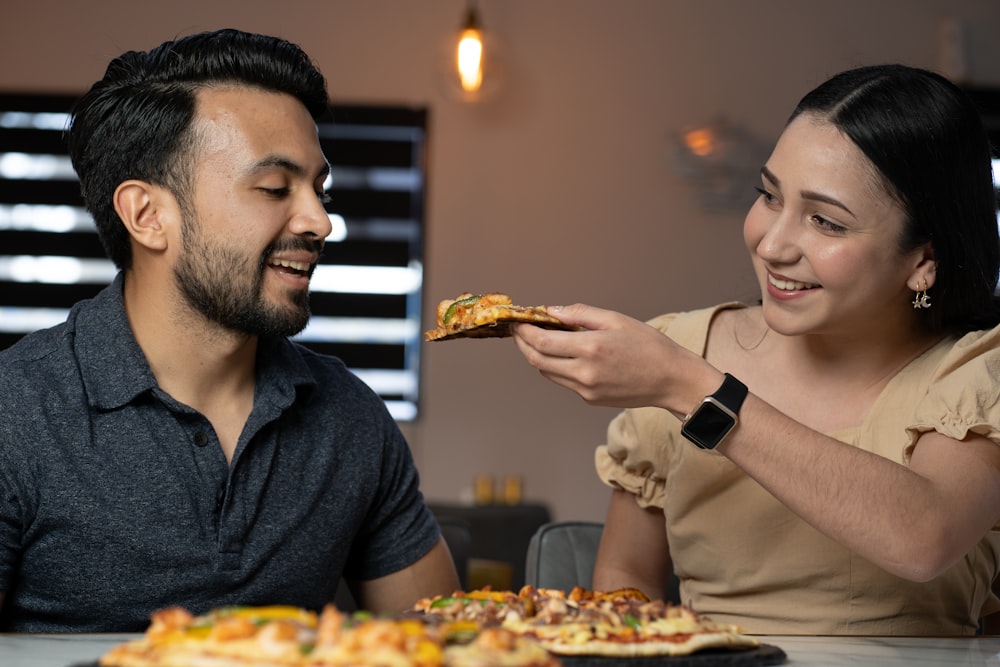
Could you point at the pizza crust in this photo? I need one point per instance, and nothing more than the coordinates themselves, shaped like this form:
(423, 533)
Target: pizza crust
(684, 644)
(606, 640)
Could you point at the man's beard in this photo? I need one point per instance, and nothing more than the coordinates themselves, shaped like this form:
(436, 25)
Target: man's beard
(226, 287)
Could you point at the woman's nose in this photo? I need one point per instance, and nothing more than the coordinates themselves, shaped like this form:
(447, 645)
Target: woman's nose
(780, 241)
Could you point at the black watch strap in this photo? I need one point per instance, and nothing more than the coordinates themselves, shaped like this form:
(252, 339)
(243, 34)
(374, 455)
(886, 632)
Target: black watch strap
(731, 394)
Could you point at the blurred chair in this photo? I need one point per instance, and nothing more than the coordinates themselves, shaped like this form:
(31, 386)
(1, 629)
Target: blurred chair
(499, 533)
(458, 535)
(561, 555)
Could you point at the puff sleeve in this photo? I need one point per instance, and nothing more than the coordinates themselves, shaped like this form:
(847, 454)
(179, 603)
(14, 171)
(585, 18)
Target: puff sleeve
(642, 442)
(963, 395)
(633, 455)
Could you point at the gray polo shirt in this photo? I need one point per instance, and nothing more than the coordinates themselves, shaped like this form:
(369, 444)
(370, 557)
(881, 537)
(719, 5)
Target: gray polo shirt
(116, 500)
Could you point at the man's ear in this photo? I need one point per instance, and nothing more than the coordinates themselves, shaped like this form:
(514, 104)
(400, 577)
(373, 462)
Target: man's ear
(142, 209)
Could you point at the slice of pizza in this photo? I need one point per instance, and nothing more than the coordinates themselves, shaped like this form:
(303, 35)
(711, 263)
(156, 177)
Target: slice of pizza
(357, 641)
(486, 316)
(277, 636)
(499, 647)
(621, 624)
(582, 623)
(484, 607)
(415, 642)
(293, 637)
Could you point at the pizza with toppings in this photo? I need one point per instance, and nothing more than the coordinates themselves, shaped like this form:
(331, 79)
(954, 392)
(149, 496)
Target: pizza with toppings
(486, 316)
(291, 637)
(621, 624)
(225, 637)
(481, 628)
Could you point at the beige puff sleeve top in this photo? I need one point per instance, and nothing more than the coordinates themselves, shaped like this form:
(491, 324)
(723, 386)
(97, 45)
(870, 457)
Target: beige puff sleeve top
(744, 558)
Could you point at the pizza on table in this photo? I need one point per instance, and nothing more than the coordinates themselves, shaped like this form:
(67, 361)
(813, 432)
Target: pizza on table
(479, 628)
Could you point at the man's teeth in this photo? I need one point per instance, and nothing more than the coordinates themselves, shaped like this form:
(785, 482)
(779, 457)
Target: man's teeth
(295, 266)
(789, 285)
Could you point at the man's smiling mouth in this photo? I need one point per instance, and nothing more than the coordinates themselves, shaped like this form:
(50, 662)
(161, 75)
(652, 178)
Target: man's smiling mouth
(288, 266)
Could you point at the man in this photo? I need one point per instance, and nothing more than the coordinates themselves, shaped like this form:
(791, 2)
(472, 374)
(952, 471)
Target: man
(167, 445)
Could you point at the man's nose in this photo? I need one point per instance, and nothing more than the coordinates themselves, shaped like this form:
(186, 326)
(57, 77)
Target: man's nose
(311, 218)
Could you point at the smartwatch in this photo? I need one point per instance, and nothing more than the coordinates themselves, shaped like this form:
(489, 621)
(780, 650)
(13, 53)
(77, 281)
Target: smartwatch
(715, 416)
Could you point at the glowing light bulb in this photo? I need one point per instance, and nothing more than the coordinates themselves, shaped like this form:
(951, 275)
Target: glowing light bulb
(470, 59)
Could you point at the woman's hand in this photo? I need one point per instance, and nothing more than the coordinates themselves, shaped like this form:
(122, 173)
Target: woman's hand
(616, 361)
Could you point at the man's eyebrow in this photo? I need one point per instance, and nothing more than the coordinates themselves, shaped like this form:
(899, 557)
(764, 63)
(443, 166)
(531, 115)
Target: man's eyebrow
(806, 194)
(291, 166)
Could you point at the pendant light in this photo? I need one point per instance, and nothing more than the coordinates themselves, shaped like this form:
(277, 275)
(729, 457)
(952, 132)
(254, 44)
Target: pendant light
(471, 63)
(470, 53)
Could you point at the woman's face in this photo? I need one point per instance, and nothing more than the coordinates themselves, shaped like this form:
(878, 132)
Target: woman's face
(823, 237)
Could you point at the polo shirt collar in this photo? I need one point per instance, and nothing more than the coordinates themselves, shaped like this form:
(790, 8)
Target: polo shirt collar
(281, 371)
(112, 364)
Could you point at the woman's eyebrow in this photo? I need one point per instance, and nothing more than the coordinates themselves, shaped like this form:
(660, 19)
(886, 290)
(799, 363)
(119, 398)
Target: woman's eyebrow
(807, 194)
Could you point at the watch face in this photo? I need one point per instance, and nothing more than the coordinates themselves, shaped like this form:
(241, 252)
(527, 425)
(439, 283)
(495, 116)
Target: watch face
(708, 425)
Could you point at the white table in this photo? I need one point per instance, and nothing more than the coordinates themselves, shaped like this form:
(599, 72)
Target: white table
(18, 650)
(914, 651)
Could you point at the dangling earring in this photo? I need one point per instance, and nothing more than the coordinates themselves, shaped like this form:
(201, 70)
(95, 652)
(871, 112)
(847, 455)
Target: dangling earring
(922, 300)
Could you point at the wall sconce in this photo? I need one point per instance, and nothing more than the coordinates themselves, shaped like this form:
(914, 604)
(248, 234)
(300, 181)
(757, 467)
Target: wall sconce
(721, 161)
(471, 65)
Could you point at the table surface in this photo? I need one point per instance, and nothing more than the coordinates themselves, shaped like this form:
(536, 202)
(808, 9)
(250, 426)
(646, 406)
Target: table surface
(18, 650)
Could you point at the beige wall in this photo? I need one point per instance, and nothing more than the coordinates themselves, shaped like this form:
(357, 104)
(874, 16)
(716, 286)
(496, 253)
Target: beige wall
(560, 189)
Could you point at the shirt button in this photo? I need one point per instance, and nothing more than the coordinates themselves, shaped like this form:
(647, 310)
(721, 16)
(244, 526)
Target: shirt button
(201, 438)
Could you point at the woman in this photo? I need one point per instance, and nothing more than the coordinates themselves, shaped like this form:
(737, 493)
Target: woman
(855, 488)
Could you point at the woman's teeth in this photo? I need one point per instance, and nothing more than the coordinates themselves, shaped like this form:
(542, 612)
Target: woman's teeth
(789, 285)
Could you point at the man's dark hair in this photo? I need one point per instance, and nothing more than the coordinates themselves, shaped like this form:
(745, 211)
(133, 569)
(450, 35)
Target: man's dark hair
(136, 122)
